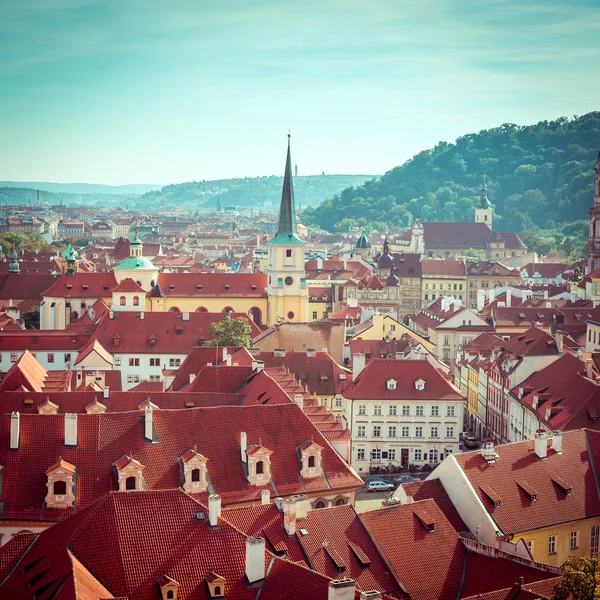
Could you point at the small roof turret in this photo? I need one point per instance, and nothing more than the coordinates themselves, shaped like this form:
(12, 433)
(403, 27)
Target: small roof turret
(13, 265)
(363, 242)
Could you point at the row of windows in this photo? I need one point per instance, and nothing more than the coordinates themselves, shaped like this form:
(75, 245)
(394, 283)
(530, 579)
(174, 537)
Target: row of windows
(449, 286)
(14, 356)
(573, 541)
(433, 296)
(154, 362)
(377, 454)
(123, 301)
(406, 412)
(361, 431)
(137, 379)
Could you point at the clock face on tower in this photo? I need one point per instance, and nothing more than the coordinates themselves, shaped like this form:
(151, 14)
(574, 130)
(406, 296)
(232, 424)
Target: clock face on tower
(289, 280)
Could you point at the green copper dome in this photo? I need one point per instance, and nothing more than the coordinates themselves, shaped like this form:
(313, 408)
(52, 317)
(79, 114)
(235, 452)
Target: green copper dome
(132, 263)
(363, 241)
(69, 253)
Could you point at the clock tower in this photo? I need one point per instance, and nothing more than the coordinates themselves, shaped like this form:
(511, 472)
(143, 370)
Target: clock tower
(286, 284)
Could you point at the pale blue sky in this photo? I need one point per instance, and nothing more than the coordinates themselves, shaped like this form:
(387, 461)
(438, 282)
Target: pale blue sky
(164, 91)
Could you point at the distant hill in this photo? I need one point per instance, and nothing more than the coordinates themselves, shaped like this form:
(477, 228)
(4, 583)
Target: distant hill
(82, 188)
(309, 190)
(538, 176)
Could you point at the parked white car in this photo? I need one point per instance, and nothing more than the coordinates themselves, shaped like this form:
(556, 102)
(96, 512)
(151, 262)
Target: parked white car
(380, 486)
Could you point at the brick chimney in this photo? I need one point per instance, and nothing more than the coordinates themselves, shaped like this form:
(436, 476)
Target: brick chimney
(15, 430)
(589, 368)
(255, 559)
(70, 429)
(214, 509)
(557, 438)
(341, 589)
(289, 515)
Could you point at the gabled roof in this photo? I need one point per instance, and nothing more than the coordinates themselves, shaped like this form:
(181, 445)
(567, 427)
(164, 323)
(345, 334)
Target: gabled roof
(129, 285)
(93, 346)
(82, 285)
(200, 285)
(371, 383)
(516, 513)
(113, 439)
(432, 546)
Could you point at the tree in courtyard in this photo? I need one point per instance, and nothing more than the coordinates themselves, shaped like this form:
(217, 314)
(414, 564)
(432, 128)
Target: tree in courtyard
(32, 318)
(581, 580)
(230, 332)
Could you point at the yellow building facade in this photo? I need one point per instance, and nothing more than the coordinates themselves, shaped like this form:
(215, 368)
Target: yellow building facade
(553, 545)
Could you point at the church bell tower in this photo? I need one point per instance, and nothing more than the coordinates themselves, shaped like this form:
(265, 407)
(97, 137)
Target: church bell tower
(286, 284)
(593, 246)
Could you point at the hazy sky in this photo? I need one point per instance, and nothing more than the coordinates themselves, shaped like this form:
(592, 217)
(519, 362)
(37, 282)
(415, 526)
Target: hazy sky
(164, 91)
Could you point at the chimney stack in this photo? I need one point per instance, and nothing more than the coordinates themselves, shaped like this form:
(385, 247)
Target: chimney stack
(370, 595)
(71, 429)
(341, 589)
(508, 298)
(142, 316)
(289, 515)
(310, 353)
(265, 497)
(106, 392)
(491, 296)
(15, 430)
(214, 509)
(299, 400)
(480, 300)
(255, 559)
(559, 337)
(358, 364)
(257, 365)
(557, 441)
(488, 452)
(540, 445)
(148, 423)
(243, 445)
(589, 368)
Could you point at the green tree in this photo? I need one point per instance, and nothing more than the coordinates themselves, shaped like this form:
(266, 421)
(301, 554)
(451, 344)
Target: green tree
(230, 332)
(581, 580)
(32, 318)
(474, 253)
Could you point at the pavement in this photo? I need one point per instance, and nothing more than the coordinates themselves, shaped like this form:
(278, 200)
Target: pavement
(365, 501)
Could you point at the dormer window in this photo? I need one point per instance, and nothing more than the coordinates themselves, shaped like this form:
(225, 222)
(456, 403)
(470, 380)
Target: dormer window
(390, 384)
(259, 465)
(95, 408)
(130, 474)
(117, 340)
(169, 588)
(420, 385)
(194, 472)
(48, 408)
(216, 585)
(60, 485)
(152, 341)
(310, 453)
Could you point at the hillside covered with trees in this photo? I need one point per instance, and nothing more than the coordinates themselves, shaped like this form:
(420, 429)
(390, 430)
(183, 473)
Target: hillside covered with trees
(309, 190)
(540, 179)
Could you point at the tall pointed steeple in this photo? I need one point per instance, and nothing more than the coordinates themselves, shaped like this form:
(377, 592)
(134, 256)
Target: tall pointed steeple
(484, 201)
(286, 230)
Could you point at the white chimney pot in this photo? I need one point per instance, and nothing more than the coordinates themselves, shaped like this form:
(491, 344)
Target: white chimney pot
(265, 497)
(255, 559)
(243, 445)
(341, 589)
(214, 509)
(70, 429)
(15, 430)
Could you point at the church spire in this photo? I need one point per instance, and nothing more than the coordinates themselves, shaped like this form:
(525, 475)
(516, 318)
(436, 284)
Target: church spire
(287, 210)
(484, 201)
(597, 183)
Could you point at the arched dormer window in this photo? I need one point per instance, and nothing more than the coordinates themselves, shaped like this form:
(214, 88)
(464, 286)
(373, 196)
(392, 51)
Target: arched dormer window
(419, 385)
(311, 460)
(259, 464)
(129, 474)
(169, 588)
(122, 301)
(194, 472)
(216, 585)
(390, 384)
(136, 300)
(60, 484)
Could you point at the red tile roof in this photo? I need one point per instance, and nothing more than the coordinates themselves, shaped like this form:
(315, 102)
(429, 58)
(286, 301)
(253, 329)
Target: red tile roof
(321, 374)
(21, 286)
(129, 285)
(199, 285)
(432, 561)
(172, 333)
(105, 438)
(565, 398)
(371, 383)
(516, 512)
(447, 268)
(82, 285)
